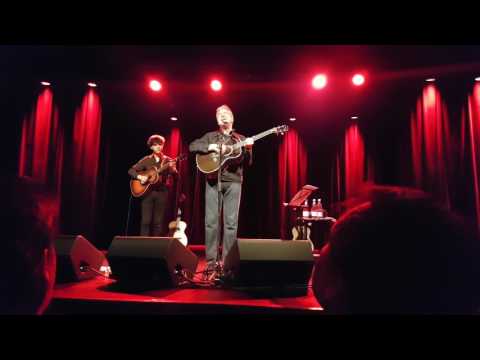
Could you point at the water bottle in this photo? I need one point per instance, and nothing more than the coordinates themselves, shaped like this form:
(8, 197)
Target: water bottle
(320, 208)
(306, 212)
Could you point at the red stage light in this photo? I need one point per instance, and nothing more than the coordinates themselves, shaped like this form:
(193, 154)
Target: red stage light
(216, 85)
(155, 85)
(430, 80)
(319, 81)
(358, 79)
(45, 83)
(91, 84)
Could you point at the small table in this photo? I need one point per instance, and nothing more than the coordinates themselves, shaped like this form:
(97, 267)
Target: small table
(305, 223)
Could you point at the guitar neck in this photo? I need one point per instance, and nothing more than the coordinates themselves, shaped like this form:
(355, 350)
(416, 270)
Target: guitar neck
(179, 216)
(255, 138)
(165, 165)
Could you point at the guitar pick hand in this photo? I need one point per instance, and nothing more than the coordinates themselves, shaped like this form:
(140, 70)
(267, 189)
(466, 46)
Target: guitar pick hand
(226, 149)
(143, 179)
(215, 147)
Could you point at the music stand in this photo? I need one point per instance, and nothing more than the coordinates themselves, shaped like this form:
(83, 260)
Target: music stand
(302, 195)
(297, 203)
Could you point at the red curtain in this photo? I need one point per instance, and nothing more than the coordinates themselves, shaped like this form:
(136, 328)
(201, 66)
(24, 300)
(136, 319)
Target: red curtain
(351, 171)
(41, 145)
(41, 154)
(174, 147)
(354, 161)
(191, 185)
(470, 148)
(431, 145)
(85, 161)
(292, 173)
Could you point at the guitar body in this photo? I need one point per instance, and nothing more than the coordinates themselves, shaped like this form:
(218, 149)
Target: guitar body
(138, 189)
(208, 163)
(176, 229)
(298, 232)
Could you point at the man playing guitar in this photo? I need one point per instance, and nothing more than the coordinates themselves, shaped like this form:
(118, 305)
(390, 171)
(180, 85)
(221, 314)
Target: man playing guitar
(231, 181)
(154, 201)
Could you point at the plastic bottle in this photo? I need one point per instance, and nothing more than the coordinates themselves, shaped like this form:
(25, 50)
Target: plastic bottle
(306, 211)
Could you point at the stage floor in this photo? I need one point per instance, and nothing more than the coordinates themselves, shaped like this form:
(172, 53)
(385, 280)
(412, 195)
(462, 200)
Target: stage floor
(101, 296)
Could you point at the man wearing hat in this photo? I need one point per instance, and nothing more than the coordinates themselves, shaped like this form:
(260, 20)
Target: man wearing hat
(155, 200)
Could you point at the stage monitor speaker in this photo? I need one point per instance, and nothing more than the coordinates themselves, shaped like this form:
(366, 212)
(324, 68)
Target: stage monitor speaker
(270, 263)
(77, 259)
(150, 260)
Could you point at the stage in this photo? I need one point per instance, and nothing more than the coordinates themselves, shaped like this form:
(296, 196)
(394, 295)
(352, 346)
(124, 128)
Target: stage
(102, 296)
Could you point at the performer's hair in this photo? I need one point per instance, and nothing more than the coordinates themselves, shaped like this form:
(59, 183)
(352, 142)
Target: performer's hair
(155, 139)
(224, 106)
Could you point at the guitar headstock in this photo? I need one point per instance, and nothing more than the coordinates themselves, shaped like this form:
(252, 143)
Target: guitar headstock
(280, 130)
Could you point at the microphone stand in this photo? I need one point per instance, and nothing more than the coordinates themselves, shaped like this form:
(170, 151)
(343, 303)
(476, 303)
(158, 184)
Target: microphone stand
(219, 197)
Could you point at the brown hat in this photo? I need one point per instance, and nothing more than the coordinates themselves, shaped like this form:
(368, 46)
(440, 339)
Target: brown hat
(155, 139)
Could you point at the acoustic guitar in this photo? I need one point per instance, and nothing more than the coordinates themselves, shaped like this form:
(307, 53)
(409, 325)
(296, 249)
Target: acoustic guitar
(208, 163)
(176, 229)
(302, 232)
(138, 188)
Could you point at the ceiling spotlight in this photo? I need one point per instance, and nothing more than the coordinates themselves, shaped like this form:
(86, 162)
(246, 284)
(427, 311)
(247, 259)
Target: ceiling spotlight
(216, 85)
(155, 85)
(319, 81)
(358, 79)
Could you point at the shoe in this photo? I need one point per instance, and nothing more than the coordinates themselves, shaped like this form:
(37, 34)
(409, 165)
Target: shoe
(209, 271)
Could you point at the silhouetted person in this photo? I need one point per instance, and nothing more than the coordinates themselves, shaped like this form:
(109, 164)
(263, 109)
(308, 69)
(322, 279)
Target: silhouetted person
(27, 256)
(399, 252)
